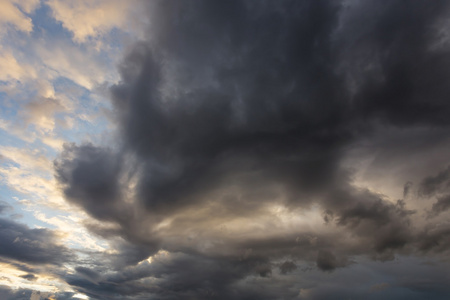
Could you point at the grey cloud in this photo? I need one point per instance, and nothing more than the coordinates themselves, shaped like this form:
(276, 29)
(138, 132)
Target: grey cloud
(407, 189)
(88, 273)
(90, 177)
(5, 207)
(438, 187)
(442, 204)
(399, 49)
(326, 260)
(287, 267)
(30, 277)
(35, 246)
(434, 184)
(7, 293)
(184, 276)
(434, 238)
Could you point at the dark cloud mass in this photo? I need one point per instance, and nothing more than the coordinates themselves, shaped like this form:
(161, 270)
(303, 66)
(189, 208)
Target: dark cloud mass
(235, 119)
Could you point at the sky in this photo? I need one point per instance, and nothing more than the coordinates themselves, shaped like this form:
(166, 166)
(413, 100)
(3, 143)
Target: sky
(173, 149)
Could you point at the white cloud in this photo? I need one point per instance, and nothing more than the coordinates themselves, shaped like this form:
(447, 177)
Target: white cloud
(90, 18)
(82, 67)
(27, 159)
(13, 12)
(11, 69)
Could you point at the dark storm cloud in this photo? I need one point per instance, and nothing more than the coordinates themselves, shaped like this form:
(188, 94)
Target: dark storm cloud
(230, 108)
(35, 246)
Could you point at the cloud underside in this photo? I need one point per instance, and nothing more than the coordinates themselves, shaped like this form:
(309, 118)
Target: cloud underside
(234, 122)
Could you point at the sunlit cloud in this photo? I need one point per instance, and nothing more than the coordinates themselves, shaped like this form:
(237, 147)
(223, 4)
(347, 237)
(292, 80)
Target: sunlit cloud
(14, 13)
(91, 19)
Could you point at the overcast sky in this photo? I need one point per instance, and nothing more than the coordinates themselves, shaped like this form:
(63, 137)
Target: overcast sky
(224, 149)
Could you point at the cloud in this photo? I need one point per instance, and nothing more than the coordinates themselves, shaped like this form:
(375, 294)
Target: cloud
(28, 160)
(28, 294)
(287, 267)
(434, 184)
(35, 246)
(91, 19)
(100, 192)
(12, 70)
(30, 277)
(85, 68)
(234, 122)
(5, 207)
(29, 172)
(326, 261)
(442, 204)
(41, 113)
(13, 12)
